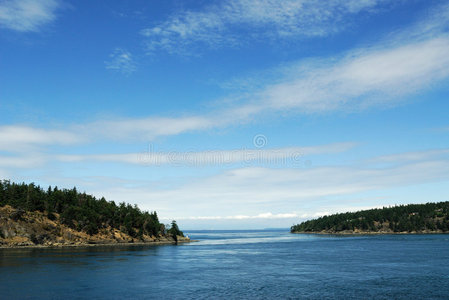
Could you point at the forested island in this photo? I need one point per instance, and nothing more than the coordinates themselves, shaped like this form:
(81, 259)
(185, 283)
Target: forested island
(32, 216)
(412, 218)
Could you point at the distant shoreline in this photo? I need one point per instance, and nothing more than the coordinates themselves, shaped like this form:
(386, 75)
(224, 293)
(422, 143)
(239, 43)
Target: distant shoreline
(428, 218)
(368, 233)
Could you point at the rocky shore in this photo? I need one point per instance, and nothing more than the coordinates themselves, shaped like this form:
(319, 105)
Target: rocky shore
(361, 232)
(19, 228)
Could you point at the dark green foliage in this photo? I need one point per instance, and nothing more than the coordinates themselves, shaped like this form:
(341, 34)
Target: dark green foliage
(78, 210)
(174, 229)
(402, 218)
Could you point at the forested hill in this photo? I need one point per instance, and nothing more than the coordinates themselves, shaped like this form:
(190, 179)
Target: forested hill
(31, 214)
(412, 218)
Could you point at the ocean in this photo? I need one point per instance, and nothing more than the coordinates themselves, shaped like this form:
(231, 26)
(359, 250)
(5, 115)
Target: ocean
(256, 264)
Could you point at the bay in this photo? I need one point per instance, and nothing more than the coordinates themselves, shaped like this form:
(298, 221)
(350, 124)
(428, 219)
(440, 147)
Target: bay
(262, 264)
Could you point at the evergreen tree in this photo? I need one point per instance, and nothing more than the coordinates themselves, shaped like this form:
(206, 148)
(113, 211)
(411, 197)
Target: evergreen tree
(402, 218)
(81, 211)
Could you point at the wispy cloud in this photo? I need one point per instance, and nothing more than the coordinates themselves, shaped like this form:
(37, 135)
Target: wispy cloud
(148, 128)
(254, 191)
(262, 216)
(24, 138)
(231, 23)
(27, 15)
(433, 23)
(384, 74)
(251, 193)
(381, 75)
(412, 156)
(242, 217)
(24, 161)
(360, 79)
(288, 156)
(122, 61)
(365, 77)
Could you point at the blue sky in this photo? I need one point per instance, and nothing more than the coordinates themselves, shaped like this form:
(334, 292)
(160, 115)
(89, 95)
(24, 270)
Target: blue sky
(228, 114)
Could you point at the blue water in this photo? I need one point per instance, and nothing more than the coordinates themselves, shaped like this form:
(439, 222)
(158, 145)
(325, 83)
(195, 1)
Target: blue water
(237, 265)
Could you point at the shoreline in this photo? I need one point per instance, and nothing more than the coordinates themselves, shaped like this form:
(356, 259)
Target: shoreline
(368, 233)
(88, 245)
(34, 230)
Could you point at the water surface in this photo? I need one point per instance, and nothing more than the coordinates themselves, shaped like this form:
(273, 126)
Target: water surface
(236, 264)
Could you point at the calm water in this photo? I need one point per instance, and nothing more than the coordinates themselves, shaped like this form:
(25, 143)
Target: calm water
(230, 264)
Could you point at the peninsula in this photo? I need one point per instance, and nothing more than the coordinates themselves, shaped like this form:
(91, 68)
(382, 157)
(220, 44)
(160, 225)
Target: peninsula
(412, 218)
(32, 217)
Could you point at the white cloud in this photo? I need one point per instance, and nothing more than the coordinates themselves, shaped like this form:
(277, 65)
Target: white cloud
(241, 217)
(435, 21)
(255, 190)
(31, 160)
(281, 196)
(412, 62)
(4, 175)
(362, 78)
(23, 138)
(147, 128)
(122, 61)
(413, 156)
(216, 24)
(288, 156)
(27, 15)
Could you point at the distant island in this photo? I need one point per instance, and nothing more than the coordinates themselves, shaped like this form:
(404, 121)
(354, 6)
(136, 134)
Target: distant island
(31, 216)
(412, 218)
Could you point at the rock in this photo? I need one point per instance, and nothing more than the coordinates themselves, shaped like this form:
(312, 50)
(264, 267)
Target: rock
(34, 239)
(19, 229)
(182, 239)
(17, 214)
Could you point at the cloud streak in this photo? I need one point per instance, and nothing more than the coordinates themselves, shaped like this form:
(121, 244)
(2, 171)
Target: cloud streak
(23, 138)
(359, 80)
(23, 161)
(413, 61)
(254, 191)
(382, 75)
(243, 217)
(122, 61)
(288, 156)
(27, 15)
(231, 23)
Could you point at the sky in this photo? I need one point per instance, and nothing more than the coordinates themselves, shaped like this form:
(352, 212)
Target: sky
(238, 114)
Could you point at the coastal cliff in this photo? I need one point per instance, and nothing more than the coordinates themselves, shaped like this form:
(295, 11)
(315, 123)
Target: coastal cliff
(403, 219)
(20, 228)
(30, 216)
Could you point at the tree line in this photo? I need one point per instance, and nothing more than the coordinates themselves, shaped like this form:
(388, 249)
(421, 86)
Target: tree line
(83, 212)
(402, 218)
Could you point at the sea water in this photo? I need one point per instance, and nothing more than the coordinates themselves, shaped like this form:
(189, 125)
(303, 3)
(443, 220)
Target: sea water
(269, 264)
